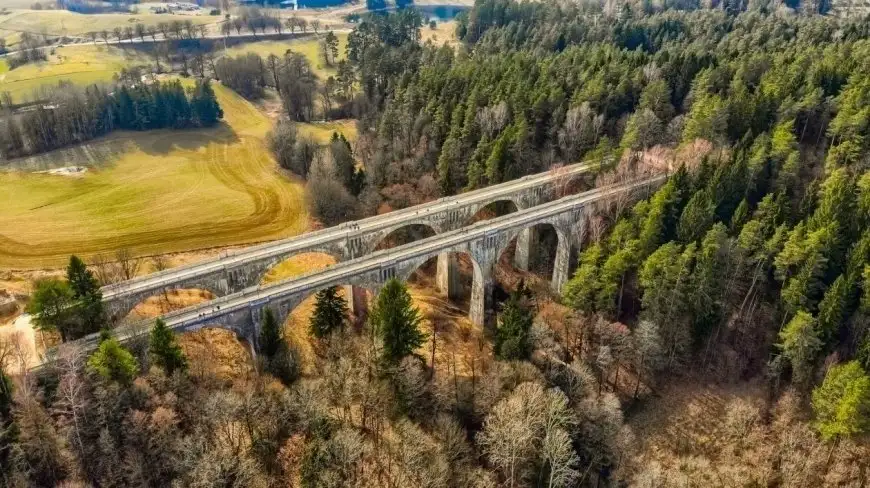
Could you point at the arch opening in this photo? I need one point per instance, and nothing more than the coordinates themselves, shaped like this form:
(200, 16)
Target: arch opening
(405, 235)
(167, 301)
(498, 208)
(447, 289)
(450, 275)
(296, 265)
(217, 352)
(531, 256)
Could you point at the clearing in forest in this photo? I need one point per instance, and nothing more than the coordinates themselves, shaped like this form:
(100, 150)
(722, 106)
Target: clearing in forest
(155, 192)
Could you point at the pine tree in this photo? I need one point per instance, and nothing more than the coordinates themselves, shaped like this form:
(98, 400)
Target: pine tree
(50, 306)
(86, 293)
(397, 322)
(164, 349)
(697, 217)
(799, 342)
(271, 336)
(842, 402)
(81, 280)
(330, 312)
(204, 104)
(113, 362)
(512, 337)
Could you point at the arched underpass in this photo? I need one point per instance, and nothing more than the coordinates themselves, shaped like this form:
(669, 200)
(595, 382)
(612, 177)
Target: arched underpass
(168, 301)
(405, 235)
(296, 265)
(458, 344)
(498, 208)
(217, 353)
(530, 257)
(296, 326)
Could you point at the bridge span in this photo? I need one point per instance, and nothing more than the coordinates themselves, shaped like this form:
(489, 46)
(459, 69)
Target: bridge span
(484, 242)
(234, 272)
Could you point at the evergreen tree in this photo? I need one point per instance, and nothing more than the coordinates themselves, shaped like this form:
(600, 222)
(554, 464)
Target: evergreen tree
(164, 349)
(330, 312)
(87, 296)
(271, 336)
(113, 362)
(697, 217)
(580, 291)
(799, 342)
(397, 322)
(204, 104)
(842, 402)
(512, 336)
(51, 305)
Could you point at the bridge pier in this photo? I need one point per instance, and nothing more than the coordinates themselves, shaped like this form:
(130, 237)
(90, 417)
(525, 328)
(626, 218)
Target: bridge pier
(527, 242)
(481, 301)
(357, 302)
(447, 275)
(561, 266)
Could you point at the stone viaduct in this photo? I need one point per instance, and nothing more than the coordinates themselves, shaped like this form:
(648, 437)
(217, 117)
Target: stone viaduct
(484, 242)
(235, 272)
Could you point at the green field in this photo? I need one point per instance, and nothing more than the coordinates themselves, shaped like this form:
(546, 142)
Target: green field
(309, 47)
(81, 64)
(158, 191)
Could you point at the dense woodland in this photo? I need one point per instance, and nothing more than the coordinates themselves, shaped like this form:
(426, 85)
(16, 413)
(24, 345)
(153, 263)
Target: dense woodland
(71, 115)
(751, 263)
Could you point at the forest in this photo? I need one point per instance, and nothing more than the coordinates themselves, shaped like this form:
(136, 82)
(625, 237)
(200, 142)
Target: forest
(751, 263)
(72, 115)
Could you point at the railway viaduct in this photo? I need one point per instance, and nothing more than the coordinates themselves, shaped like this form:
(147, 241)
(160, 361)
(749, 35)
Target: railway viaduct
(483, 241)
(235, 272)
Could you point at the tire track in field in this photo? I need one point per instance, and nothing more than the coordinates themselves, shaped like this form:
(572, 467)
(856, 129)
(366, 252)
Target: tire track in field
(273, 212)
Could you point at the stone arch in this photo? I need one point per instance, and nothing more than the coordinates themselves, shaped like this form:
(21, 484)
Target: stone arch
(446, 276)
(543, 248)
(212, 360)
(493, 209)
(158, 302)
(404, 234)
(295, 264)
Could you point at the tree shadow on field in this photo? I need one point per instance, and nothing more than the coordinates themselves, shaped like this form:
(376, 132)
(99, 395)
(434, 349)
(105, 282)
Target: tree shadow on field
(165, 141)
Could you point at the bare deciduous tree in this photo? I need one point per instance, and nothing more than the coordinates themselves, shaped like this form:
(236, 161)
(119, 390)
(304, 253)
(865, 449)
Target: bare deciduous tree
(128, 264)
(105, 269)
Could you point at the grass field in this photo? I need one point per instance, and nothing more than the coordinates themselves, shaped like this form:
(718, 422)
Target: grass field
(443, 32)
(80, 64)
(155, 192)
(309, 47)
(66, 23)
